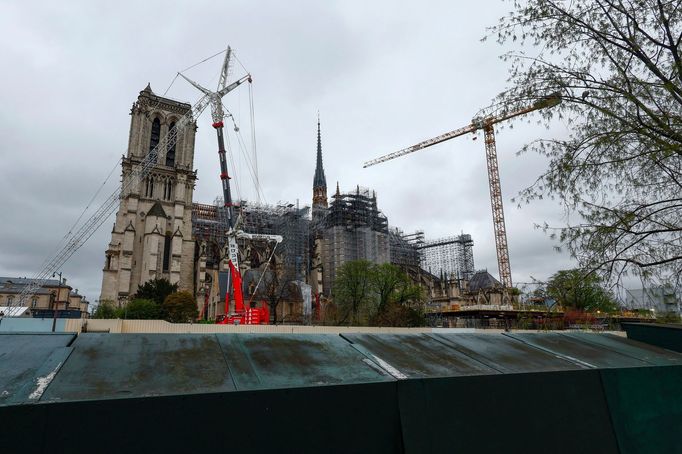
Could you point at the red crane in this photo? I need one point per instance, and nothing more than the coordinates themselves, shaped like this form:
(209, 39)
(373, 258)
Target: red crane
(487, 125)
(242, 314)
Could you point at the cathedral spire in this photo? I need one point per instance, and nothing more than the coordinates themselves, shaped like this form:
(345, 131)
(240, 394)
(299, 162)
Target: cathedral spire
(319, 181)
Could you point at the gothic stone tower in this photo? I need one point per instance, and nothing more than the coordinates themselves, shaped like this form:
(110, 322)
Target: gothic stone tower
(152, 235)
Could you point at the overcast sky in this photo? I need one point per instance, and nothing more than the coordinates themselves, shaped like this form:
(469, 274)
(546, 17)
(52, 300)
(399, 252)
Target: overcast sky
(383, 75)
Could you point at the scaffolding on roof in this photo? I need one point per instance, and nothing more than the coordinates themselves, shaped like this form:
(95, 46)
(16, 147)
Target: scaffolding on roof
(353, 228)
(453, 256)
(356, 209)
(209, 224)
(405, 247)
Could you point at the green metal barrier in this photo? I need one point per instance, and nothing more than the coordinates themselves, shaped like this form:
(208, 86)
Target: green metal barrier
(364, 393)
(665, 336)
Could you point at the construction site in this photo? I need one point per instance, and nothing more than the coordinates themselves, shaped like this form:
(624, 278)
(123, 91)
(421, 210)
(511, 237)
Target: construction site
(251, 262)
(257, 328)
(254, 262)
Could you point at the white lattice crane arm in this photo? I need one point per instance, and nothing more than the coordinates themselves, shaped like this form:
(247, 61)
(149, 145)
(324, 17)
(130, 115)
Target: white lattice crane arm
(259, 236)
(225, 71)
(234, 85)
(195, 84)
(422, 145)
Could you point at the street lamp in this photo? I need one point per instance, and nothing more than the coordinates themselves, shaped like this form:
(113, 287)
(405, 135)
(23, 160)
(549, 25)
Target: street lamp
(55, 305)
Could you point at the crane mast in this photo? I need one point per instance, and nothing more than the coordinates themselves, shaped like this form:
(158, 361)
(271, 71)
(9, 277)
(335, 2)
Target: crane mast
(218, 114)
(242, 314)
(487, 125)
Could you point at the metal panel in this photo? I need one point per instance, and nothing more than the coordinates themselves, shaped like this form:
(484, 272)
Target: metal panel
(664, 336)
(553, 412)
(21, 357)
(504, 353)
(646, 408)
(649, 353)
(416, 355)
(259, 361)
(105, 366)
(576, 351)
(343, 419)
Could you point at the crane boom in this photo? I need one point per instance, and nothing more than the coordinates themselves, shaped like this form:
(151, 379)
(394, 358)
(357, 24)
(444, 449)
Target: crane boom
(487, 125)
(421, 145)
(476, 124)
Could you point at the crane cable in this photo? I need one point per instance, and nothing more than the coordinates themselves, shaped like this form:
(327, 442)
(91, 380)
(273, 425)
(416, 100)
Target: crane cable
(250, 164)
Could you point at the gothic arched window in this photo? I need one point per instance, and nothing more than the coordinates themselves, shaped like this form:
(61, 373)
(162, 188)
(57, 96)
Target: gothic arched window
(168, 189)
(156, 134)
(149, 187)
(170, 152)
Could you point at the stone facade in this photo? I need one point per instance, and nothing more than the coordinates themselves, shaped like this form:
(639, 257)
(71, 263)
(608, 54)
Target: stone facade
(152, 234)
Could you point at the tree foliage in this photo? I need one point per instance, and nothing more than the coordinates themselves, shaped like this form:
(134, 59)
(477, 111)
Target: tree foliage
(141, 309)
(381, 295)
(618, 68)
(352, 292)
(156, 290)
(180, 307)
(106, 310)
(574, 289)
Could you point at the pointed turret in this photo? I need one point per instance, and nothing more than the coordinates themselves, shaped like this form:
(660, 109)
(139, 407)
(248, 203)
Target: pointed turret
(319, 181)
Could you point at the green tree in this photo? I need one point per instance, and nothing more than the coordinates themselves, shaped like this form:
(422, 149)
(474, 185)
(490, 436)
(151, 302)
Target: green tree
(399, 300)
(106, 310)
(140, 309)
(576, 289)
(382, 295)
(618, 68)
(156, 290)
(386, 280)
(352, 292)
(180, 307)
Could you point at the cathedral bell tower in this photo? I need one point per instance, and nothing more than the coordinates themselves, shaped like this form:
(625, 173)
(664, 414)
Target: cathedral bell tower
(152, 234)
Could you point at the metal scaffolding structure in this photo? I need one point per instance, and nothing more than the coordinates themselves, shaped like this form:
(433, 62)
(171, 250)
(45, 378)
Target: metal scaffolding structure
(405, 247)
(210, 224)
(453, 257)
(353, 229)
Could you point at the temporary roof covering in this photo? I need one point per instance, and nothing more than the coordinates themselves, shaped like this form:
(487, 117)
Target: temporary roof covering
(511, 392)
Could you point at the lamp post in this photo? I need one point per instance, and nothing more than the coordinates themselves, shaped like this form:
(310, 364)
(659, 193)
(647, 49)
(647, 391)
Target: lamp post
(56, 301)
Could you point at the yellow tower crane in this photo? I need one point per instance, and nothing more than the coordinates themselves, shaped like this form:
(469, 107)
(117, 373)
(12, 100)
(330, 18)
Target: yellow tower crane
(487, 125)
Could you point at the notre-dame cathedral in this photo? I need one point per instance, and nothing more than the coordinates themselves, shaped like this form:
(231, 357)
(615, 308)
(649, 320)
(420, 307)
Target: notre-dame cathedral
(160, 233)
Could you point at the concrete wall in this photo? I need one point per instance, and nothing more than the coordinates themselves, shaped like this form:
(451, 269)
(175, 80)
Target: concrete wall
(160, 326)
